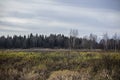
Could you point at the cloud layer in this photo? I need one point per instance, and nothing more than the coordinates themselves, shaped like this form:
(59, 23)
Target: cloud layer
(59, 16)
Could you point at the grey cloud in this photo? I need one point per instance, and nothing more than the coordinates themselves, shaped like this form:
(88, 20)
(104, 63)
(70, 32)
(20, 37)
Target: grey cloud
(100, 4)
(58, 16)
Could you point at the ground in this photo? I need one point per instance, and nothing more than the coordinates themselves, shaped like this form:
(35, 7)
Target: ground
(59, 65)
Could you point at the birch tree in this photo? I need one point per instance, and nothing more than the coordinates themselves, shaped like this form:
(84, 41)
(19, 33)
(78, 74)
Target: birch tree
(73, 36)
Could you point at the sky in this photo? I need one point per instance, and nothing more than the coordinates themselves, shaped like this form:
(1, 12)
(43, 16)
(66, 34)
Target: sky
(22, 17)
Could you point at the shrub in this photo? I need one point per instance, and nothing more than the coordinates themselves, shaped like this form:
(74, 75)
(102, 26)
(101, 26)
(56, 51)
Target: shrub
(65, 75)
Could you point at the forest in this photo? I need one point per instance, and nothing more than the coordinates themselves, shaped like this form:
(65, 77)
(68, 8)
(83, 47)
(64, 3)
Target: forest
(59, 41)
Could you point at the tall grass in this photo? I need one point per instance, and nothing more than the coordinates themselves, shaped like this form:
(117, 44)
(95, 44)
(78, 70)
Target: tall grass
(54, 65)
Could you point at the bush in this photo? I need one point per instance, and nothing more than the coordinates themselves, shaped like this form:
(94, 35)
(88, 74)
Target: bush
(65, 75)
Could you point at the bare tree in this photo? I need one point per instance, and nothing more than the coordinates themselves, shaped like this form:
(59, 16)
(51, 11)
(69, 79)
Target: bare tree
(85, 42)
(105, 38)
(93, 39)
(73, 36)
(116, 41)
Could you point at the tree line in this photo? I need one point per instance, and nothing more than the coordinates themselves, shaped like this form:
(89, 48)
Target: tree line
(60, 41)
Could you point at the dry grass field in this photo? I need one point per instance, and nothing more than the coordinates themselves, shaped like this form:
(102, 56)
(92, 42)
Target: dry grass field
(59, 65)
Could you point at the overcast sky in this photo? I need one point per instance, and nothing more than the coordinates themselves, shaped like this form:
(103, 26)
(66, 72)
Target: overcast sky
(59, 16)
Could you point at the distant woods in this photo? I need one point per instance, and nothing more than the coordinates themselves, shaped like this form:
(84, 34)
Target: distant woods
(60, 41)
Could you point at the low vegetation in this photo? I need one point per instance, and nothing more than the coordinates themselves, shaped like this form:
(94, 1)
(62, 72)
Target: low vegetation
(59, 65)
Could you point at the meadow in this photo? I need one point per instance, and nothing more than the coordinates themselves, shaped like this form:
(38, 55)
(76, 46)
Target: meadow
(59, 65)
